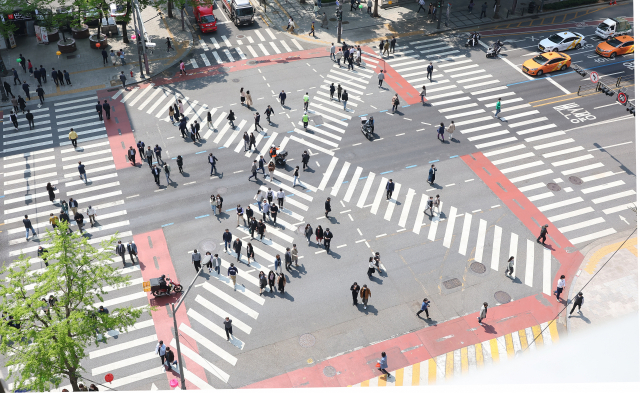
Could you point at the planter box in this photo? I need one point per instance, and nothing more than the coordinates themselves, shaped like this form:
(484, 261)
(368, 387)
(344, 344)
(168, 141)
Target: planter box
(93, 40)
(81, 33)
(67, 47)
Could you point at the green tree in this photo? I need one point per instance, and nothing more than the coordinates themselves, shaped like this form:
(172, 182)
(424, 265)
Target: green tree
(46, 345)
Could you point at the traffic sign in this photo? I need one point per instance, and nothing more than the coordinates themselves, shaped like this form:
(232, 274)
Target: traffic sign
(622, 98)
(594, 77)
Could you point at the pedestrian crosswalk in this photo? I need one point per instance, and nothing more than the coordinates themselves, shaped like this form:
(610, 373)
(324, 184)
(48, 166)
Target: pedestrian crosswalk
(525, 145)
(452, 365)
(249, 44)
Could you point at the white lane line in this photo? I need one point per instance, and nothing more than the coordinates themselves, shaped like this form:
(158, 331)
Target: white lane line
(263, 49)
(229, 299)
(464, 239)
(284, 43)
(205, 59)
(558, 85)
(275, 48)
(448, 233)
(377, 198)
(417, 225)
(528, 274)
(570, 214)
(253, 51)
(593, 236)
(207, 365)
(482, 231)
(327, 174)
(365, 190)
(495, 254)
(340, 179)
(217, 57)
(215, 43)
(242, 56)
(229, 56)
(406, 207)
(352, 184)
(260, 35)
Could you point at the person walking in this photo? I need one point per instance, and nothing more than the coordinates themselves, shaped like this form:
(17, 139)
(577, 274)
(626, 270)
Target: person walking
(14, 103)
(430, 71)
(440, 132)
(82, 171)
(209, 120)
(140, 145)
(510, 266)
(272, 168)
(282, 96)
(122, 57)
(155, 171)
(319, 234)
(114, 57)
(274, 213)
(249, 100)
(25, 87)
(386, 48)
(107, 111)
(167, 172)
(168, 42)
(280, 196)
(161, 350)
(450, 129)
(7, 88)
(158, 152)
(22, 103)
(484, 10)
(265, 211)
(50, 190)
(305, 101)
(355, 290)
(305, 120)
(16, 77)
(432, 174)
(345, 98)
(268, 112)
(424, 308)
(287, 259)
(40, 92)
(231, 117)
(73, 204)
(91, 213)
(282, 282)
(67, 77)
(305, 160)
(29, 117)
(369, 5)
(216, 263)
(131, 154)
(254, 170)
(149, 155)
(382, 363)
(170, 360)
(365, 294)
(14, 119)
(123, 78)
(196, 260)
(470, 6)
(483, 312)
(327, 236)
(332, 53)
(296, 177)
(240, 214)
(308, 231)
(132, 248)
(120, 251)
(380, 78)
(232, 272)
(543, 234)
(28, 226)
(327, 207)
(421, 2)
(99, 110)
(182, 68)
(332, 89)
(212, 161)
(395, 101)
(325, 21)
(578, 301)
(250, 253)
(105, 57)
(313, 29)
(228, 328)
(423, 94)
(237, 247)
(261, 227)
(498, 107)
(559, 288)
(271, 278)
(371, 269)
(390, 187)
(179, 163)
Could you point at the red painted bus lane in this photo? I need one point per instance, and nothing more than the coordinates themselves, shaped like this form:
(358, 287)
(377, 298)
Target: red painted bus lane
(118, 128)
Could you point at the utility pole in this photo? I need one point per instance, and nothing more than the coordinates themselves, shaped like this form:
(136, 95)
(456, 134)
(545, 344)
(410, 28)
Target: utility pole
(137, 35)
(339, 16)
(144, 37)
(174, 308)
(439, 5)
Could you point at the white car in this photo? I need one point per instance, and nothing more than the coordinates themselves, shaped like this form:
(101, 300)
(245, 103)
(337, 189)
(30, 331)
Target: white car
(561, 41)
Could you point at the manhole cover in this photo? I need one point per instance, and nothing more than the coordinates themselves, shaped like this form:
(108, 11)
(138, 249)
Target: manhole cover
(252, 62)
(553, 187)
(207, 245)
(239, 36)
(478, 267)
(502, 297)
(235, 80)
(332, 19)
(301, 229)
(569, 250)
(221, 190)
(329, 371)
(307, 340)
(575, 180)
(453, 283)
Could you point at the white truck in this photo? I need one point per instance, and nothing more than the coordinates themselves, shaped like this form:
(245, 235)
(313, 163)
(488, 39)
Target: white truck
(612, 27)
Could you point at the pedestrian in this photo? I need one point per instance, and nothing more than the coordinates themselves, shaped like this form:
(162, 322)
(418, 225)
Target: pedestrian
(231, 117)
(232, 272)
(393, 44)
(484, 10)
(365, 294)
(120, 251)
(91, 213)
(274, 213)
(327, 207)
(369, 5)
(249, 100)
(73, 204)
(424, 308)
(161, 351)
(319, 234)
(67, 77)
(382, 363)
(421, 2)
(287, 259)
(296, 177)
(313, 29)
(432, 174)
(237, 247)
(14, 103)
(50, 190)
(169, 359)
(16, 78)
(381, 46)
(209, 121)
(196, 259)
(371, 269)
(240, 214)
(82, 171)
(23, 63)
(305, 101)
(40, 92)
(105, 57)
(36, 74)
(272, 168)
(483, 312)
(107, 112)
(327, 236)
(423, 94)
(25, 87)
(99, 110)
(290, 25)
(436, 204)
(114, 57)
(332, 52)
(543, 234)
(228, 329)
(168, 44)
(498, 107)
(179, 162)
(325, 21)
(7, 88)
(155, 171)
(14, 119)
(450, 130)
(345, 98)
(354, 5)
(149, 155)
(29, 117)
(250, 253)
(380, 78)
(355, 290)
(510, 266)
(386, 48)
(282, 282)
(559, 288)
(28, 226)
(390, 187)
(132, 248)
(22, 103)
(216, 263)
(305, 160)
(282, 96)
(158, 152)
(308, 231)
(430, 71)
(256, 118)
(470, 6)
(180, 108)
(167, 172)
(578, 301)
(131, 155)
(280, 196)
(440, 131)
(123, 78)
(122, 57)
(332, 90)
(226, 237)
(261, 227)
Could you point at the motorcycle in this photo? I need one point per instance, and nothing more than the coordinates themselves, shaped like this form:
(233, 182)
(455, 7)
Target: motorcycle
(281, 158)
(366, 128)
(473, 39)
(164, 286)
(494, 51)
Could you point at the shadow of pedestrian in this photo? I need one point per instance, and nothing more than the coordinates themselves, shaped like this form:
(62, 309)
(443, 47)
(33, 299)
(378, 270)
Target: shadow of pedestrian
(300, 269)
(489, 329)
(581, 316)
(375, 279)
(370, 309)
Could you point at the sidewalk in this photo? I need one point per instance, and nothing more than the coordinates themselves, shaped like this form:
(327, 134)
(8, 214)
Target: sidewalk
(85, 65)
(613, 292)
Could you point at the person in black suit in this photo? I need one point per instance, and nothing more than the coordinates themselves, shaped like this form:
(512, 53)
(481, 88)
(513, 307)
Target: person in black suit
(99, 109)
(54, 76)
(120, 251)
(107, 109)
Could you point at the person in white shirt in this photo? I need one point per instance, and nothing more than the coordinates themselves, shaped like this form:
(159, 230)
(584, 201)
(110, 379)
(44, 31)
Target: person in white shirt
(280, 196)
(259, 197)
(559, 288)
(265, 210)
(91, 212)
(161, 350)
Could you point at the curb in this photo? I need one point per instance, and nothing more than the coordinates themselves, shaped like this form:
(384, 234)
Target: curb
(588, 252)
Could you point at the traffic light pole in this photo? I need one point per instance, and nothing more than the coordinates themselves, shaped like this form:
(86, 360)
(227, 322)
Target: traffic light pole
(439, 14)
(339, 17)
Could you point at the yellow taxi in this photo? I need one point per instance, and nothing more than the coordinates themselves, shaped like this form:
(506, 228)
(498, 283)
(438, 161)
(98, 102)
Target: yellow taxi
(546, 62)
(615, 46)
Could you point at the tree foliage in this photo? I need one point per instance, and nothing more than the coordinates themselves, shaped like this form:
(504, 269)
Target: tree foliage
(44, 345)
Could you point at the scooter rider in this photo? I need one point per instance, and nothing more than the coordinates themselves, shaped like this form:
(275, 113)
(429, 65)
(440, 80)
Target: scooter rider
(371, 123)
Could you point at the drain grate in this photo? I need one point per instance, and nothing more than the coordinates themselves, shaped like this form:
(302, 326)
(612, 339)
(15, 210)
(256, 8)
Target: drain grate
(478, 267)
(221, 190)
(452, 283)
(575, 180)
(329, 371)
(235, 80)
(502, 297)
(554, 187)
(240, 36)
(307, 340)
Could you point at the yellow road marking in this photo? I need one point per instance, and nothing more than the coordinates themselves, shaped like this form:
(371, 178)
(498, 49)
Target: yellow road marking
(553, 329)
(364, 384)
(448, 369)
(400, 377)
(523, 339)
(479, 357)
(432, 371)
(536, 334)
(415, 375)
(509, 342)
(495, 355)
(464, 360)
(590, 267)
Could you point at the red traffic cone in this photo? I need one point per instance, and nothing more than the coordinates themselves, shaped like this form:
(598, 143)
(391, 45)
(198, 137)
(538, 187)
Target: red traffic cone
(610, 3)
(615, 2)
